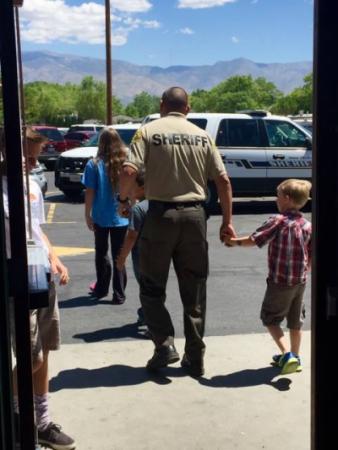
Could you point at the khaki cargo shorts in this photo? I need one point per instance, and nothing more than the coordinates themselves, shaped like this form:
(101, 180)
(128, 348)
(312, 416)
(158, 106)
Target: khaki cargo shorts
(282, 302)
(45, 327)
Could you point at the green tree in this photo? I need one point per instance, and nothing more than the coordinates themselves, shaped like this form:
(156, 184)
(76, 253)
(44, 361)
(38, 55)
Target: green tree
(117, 106)
(91, 100)
(300, 99)
(49, 103)
(198, 100)
(236, 93)
(143, 104)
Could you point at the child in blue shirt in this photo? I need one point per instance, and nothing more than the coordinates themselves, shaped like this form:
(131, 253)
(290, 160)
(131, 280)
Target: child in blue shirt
(101, 212)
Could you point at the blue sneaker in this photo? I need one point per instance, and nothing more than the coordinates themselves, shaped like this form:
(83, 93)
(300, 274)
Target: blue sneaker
(277, 361)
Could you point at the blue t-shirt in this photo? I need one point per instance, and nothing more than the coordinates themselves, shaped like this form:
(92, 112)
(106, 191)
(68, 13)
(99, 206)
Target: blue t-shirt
(105, 204)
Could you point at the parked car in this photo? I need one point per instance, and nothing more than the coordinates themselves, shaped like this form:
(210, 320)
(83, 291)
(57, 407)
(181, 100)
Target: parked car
(86, 127)
(39, 176)
(77, 138)
(63, 130)
(55, 145)
(258, 149)
(304, 120)
(71, 163)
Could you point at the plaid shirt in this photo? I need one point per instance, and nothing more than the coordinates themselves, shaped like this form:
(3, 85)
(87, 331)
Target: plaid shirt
(289, 238)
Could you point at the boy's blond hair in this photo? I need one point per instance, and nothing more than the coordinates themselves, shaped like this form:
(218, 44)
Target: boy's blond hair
(297, 190)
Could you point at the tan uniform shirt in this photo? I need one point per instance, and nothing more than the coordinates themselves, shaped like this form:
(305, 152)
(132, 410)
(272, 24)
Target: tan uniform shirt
(178, 157)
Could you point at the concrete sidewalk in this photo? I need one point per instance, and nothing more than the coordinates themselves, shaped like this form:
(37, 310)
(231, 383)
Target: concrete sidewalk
(105, 399)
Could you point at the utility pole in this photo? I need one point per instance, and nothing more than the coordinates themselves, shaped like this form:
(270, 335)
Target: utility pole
(109, 89)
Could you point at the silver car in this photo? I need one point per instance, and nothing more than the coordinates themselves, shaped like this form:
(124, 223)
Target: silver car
(39, 176)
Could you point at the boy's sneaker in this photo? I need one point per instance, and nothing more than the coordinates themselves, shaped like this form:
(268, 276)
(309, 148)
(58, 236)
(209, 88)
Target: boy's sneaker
(277, 360)
(289, 363)
(53, 437)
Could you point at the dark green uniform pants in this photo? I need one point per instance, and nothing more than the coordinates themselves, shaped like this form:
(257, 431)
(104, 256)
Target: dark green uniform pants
(177, 234)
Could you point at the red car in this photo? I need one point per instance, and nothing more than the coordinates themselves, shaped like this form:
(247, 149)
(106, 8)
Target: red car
(56, 144)
(77, 138)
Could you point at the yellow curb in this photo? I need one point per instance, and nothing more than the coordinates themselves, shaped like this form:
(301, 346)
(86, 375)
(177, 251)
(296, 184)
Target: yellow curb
(72, 251)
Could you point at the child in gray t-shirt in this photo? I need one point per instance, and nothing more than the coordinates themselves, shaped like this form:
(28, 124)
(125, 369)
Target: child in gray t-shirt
(130, 244)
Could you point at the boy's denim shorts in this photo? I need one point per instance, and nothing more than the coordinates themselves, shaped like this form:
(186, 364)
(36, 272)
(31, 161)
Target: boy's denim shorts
(283, 302)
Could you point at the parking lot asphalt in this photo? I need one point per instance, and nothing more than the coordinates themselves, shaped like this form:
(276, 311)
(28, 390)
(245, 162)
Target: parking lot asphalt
(236, 282)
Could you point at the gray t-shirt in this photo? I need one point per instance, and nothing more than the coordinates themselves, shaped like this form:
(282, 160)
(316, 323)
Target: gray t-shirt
(138, 214)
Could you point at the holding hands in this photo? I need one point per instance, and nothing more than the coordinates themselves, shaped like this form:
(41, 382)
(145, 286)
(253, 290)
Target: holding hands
(229, 241)
(226, 231)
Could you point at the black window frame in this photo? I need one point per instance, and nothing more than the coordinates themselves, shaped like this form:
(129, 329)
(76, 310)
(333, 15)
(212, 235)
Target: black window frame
(225, 142)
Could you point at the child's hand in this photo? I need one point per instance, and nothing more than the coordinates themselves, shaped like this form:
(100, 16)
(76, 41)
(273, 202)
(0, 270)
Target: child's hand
(59, 269)
(124, 210)
(228, 241)
(90, 223)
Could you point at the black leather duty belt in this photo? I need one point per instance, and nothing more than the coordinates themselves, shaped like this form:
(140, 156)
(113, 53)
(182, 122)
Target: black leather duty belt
(173, 205)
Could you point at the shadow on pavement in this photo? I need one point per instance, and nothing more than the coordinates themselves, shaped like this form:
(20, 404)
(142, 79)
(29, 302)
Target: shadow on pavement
(110, 376)
(130, 330)
(247, 378)
(78, 302)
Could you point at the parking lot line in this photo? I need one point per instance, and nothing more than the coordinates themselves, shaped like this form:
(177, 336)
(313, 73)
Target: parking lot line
(51, 212)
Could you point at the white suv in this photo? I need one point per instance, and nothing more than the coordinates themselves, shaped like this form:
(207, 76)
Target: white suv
(70, 165)
(258, 149)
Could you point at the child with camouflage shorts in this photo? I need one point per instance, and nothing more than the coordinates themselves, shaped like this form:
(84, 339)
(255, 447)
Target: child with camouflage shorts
(289, 256)
(44, 322)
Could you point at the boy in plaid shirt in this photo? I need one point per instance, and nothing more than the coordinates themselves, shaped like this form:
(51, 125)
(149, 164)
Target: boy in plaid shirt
(289, 256)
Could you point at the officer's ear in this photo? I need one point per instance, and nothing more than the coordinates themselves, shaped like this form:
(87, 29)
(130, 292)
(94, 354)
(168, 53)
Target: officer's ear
(187, 109)
(163, 110)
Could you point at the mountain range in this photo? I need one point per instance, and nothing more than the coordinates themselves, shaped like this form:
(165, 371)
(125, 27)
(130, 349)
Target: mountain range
(131, 79)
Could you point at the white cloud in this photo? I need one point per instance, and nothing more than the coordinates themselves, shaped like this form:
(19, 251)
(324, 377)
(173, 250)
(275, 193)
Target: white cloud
(131, 5)
(199, 4)
(234, 39)
(254, 2)
(186, 30)
(45, 21)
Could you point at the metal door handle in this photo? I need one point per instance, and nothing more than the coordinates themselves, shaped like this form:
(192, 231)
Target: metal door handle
(278, 156)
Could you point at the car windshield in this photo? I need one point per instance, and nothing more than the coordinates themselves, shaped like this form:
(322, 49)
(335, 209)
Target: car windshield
(125, 134)
(306, 125)
(51, 133)
(93, 141)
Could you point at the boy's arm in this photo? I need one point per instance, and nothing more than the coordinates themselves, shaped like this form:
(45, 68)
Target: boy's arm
(56, 265)
(89, 198)
(128, 244)
(245, 241)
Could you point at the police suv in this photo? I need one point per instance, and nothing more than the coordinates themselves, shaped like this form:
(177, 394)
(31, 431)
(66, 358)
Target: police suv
(258, 149)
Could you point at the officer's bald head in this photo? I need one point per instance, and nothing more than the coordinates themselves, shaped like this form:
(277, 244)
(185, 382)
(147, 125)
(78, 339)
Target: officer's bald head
(174, 99)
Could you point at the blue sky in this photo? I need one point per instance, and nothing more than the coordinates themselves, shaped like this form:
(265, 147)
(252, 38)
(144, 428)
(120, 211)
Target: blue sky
(173, 32)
